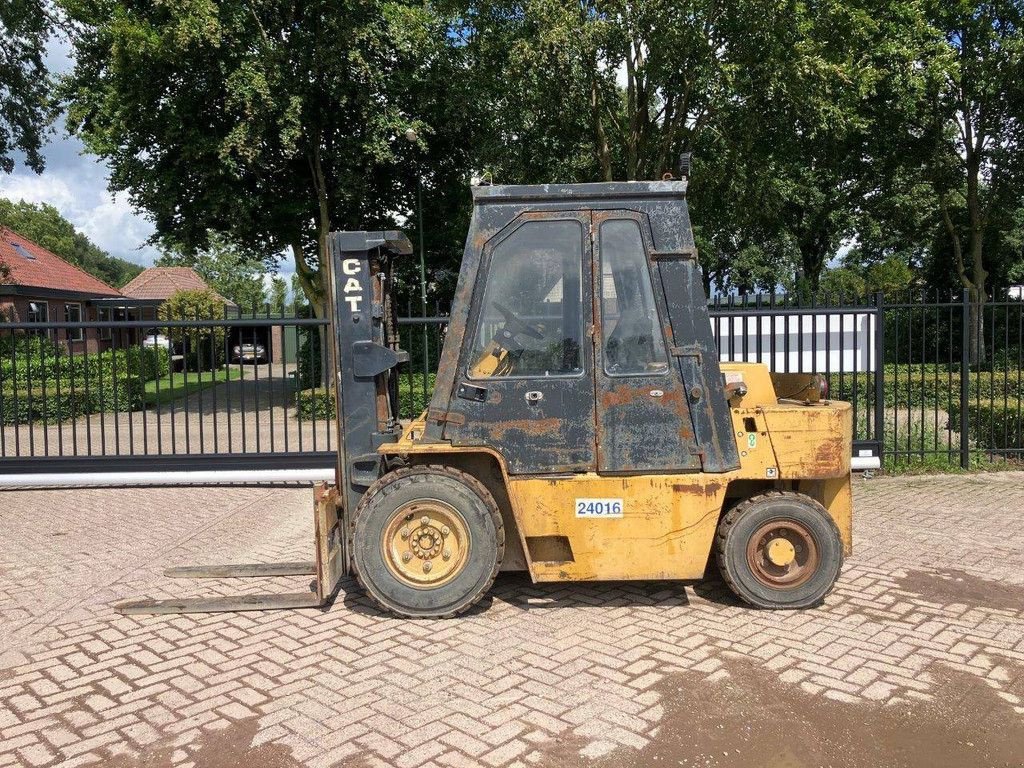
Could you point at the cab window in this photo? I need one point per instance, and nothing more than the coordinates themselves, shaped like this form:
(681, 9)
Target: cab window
(531, 318)
(633, 343)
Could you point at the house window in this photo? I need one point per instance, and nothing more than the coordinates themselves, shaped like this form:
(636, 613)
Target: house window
(73, 314)
(38, 312)
(105, 315)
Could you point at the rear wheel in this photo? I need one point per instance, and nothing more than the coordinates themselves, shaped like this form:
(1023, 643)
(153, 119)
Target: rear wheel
(779, 550)
(427, 541)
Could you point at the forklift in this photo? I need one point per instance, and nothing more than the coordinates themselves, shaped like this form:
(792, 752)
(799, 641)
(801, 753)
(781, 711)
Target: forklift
(581, 426)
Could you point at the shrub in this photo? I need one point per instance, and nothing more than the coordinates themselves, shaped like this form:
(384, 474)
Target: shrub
(927, 386)
(148, 363)
(27, 370)
(204, 347)
(315, 404)
(993, 424)
(318, 402)
(309, 363)
(46, 404)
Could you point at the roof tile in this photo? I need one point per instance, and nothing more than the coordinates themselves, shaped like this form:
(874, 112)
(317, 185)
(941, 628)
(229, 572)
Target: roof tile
(44, 269)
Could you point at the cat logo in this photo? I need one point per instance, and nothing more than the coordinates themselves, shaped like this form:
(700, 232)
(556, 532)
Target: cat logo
(353, 289)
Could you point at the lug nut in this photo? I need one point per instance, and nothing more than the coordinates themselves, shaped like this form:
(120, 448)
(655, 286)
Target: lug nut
(404, 533)
(446, 554)
(406, 557)
(424, 520)
(427, 566)
(445, 530)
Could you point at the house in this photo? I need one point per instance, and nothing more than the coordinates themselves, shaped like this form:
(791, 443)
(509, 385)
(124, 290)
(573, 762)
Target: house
(152, 287)
(42, 287)
(144, 294)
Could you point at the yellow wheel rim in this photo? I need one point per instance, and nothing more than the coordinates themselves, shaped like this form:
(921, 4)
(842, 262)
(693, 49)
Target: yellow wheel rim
(425, 544)
(781, 552)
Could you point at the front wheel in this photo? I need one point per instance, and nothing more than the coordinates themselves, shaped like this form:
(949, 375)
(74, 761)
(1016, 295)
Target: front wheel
(427, 541)
(779, 550)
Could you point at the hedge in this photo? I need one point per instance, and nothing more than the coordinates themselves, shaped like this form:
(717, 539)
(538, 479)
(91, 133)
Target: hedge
(993, 424)
(47, 404)
(30, 369)
(318, 403)
(927, 386)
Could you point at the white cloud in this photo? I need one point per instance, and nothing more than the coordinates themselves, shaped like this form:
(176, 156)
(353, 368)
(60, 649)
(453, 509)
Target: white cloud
(76, 185)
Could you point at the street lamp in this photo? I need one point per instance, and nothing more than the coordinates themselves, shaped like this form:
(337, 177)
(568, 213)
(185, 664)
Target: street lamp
(411, 136)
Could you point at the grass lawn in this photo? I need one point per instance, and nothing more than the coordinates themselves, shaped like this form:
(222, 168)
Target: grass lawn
(181, 384)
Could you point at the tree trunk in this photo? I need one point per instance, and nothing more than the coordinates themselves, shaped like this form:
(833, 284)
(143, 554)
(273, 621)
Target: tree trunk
(324, 272)
(603, 151)
(973, 283)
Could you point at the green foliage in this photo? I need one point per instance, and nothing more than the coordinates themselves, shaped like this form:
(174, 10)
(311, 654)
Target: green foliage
(174, 386)
(927, 386)
(43, 224)
(40, 380)
(318, 403)
(993, 424)
(284, 119)
(204, 347)
(315, 404)
(228, 270)
(891, 276)
(109, 395)
(310, 363)
(36, 362)
(26, 108)
(842, 281)
(278, 295)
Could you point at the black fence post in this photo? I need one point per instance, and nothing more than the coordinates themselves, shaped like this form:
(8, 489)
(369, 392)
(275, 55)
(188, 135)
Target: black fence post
(965, 377)
(880, 376)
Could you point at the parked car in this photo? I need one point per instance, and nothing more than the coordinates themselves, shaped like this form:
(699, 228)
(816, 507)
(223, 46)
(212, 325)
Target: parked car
(154, 338)
(249, 353)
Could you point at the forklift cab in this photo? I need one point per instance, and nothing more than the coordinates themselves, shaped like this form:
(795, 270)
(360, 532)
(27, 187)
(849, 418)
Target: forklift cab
(580, 339)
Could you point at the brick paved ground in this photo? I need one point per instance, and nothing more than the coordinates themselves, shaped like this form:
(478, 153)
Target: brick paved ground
(924, 636)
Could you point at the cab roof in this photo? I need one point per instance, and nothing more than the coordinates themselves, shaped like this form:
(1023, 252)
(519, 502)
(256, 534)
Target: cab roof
(561, 193)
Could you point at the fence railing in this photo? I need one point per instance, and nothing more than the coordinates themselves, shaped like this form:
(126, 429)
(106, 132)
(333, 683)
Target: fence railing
(210, 394)
(934, 381)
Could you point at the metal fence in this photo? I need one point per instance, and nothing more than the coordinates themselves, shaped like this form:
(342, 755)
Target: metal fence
(81, 397)
(933, 382)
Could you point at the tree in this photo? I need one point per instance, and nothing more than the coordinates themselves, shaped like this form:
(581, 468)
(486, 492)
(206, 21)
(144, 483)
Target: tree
(973, 126)
(270, 122)
(204, 347)
(778, 100)
(278, 294)
(26, 109)
(228, 270)
(43, 224)
(842, 282)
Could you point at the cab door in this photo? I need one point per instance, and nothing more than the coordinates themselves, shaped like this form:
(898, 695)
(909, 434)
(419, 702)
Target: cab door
(525, 383)
(642, 410)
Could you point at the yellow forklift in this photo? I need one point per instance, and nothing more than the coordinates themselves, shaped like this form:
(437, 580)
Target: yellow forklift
(581, 426)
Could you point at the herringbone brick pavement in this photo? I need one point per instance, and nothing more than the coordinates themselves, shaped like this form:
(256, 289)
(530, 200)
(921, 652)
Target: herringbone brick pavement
(536, 675)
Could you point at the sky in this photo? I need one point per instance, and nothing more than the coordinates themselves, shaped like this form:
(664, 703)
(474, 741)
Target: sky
(75, 183)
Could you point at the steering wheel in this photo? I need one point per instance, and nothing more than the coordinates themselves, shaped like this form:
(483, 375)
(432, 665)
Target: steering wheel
(515, 326)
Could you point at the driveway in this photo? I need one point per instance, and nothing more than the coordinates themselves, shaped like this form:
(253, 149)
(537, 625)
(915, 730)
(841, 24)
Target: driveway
(917, 658)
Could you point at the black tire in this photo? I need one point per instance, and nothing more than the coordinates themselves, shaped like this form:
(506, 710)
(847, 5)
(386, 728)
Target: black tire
(758, 582)
(460, 493)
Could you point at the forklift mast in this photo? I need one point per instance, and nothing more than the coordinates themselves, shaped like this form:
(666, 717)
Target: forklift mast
(365, 350)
